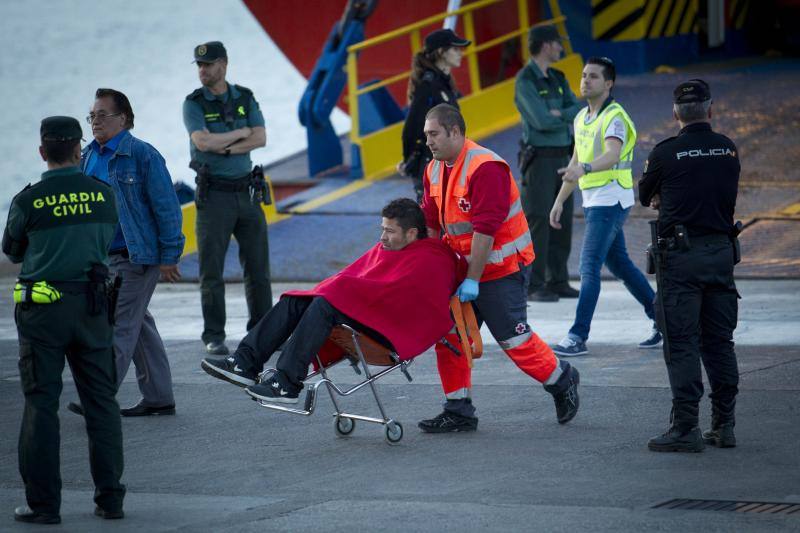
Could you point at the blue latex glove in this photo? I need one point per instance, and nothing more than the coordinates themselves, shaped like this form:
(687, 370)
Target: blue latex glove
(468, 290)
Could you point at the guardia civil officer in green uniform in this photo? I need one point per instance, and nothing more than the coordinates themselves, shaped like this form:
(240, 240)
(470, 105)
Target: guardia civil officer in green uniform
(547, 106)
(60, 229)
(224, 124)
(693, 180)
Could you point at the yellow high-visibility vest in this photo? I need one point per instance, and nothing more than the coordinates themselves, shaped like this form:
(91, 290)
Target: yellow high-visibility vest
(590, 144)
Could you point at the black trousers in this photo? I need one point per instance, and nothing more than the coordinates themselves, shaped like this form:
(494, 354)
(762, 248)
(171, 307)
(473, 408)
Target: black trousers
(46, 334)
(700, 314)
(225, 214)
(540, 186)
(307, 323)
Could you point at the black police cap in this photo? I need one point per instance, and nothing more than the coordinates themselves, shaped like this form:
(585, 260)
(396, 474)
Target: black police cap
(692, 91)
(444, 39)
(60, 129)
(209, 52)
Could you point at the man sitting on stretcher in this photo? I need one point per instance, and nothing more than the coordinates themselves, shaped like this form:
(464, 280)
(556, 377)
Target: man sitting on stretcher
(398, 293)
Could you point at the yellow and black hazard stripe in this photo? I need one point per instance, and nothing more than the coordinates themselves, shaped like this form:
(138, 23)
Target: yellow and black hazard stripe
(633, 20)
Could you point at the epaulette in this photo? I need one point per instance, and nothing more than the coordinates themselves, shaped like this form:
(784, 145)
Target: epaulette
(664, 141)
(428, 76)
(559, 74)
(243, 89)
(194, 94)
(28, 186)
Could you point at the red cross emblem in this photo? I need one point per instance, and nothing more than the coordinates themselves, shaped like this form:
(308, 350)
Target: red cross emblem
(464, 204)
(521, 328)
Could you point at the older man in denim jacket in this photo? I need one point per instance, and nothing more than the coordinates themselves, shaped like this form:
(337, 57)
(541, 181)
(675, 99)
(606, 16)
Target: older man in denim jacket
(147, 245)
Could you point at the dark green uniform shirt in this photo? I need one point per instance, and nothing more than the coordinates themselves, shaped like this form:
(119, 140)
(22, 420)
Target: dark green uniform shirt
(68, 220)
(535, 95)
(245, 112)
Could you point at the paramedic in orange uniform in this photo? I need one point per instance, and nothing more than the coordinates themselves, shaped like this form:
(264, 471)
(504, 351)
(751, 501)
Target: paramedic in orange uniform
(472, 202)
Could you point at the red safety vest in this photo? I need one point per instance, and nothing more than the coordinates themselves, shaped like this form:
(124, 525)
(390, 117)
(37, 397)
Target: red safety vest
(512, 242)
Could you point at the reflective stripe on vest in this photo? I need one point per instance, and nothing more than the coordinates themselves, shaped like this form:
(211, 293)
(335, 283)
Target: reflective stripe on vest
(512, 244)
(436, 166)
(519, 244)
(621, 172)
(461, 228)
(462, 179)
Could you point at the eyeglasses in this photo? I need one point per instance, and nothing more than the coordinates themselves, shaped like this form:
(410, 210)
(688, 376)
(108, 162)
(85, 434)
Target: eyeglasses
(100, 117)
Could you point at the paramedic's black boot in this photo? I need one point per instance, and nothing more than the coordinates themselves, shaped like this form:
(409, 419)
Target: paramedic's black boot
(449, 422)
(458, 415)
(565, 393)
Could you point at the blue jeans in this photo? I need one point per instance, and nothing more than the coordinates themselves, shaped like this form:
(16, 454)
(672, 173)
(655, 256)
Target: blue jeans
(604, 242)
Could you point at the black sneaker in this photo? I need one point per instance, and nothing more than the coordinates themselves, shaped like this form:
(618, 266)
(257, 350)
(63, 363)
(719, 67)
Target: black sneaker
(109, 515)
(217, 348)
(678, 440)
(564, 290)
(272, 391)
(227, 369)
(449, 422)
(25, 514)
(542, 295)
(565, 393)
(721, 437)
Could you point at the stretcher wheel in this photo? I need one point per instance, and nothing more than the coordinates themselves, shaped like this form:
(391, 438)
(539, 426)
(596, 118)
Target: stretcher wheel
(344, 426)
(393, 431)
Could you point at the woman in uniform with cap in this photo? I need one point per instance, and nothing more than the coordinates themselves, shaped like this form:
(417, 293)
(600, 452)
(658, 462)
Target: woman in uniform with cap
(430, 84)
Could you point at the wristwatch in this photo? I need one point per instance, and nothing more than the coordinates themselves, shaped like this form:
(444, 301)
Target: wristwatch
(587, 168)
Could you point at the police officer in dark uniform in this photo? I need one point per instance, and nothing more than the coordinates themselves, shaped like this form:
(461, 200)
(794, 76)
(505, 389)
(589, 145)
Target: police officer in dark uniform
(225, 124)
(60, 230)
(693, 180)
(431, 83)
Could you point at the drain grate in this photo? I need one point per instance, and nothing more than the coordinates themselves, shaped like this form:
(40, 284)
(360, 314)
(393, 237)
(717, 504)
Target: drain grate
(734, 506)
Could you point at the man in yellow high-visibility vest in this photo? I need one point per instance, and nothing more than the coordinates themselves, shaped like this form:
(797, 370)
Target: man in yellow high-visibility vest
(601, 167)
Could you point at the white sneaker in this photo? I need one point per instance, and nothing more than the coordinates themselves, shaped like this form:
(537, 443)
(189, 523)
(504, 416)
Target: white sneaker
(569, 347)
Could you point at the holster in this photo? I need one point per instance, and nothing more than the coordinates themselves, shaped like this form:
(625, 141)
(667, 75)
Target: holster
(201, 181)
(96, 296)
(525, 157)
(651, 260)
(737, 248)
(257, 186)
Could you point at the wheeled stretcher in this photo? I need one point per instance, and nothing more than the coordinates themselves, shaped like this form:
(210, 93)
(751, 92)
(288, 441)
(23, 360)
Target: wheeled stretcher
(347, 344)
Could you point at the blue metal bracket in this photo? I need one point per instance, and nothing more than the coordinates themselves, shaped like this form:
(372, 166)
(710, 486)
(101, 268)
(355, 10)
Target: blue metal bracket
(325, 86)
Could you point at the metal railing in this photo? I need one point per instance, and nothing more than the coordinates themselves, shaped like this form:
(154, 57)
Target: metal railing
(413, 31)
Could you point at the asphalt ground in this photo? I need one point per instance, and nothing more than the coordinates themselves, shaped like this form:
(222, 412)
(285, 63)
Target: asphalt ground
(225, 464)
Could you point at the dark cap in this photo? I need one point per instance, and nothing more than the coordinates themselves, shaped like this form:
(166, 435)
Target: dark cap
(544, 34)
(444, 39)
(691, 91)
(60, 129)
(209, 52)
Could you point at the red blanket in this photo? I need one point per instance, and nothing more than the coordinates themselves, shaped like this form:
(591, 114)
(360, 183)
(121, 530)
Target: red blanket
(404, 295)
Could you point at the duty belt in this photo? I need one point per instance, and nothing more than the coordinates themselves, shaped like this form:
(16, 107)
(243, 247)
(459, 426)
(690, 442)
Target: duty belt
(229, 185)
(551, 151)
(72, 287)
